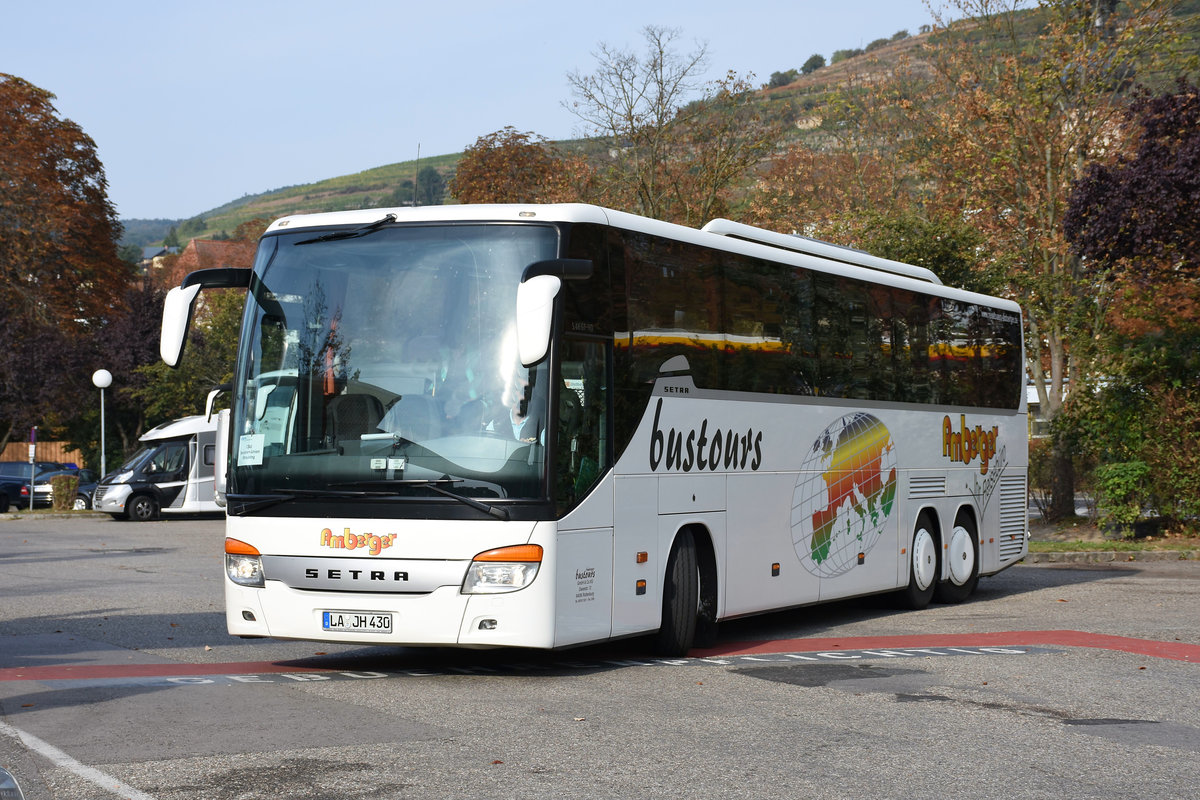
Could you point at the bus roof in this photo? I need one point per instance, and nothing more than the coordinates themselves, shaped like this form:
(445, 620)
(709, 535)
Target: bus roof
(720, 233)
(815, 247)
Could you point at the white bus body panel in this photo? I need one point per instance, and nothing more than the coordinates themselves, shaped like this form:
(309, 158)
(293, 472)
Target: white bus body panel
(759, 505)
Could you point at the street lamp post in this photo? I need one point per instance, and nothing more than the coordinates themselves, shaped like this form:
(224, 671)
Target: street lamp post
(102, 378)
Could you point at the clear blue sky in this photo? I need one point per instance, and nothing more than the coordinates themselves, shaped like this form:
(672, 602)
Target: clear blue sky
(195, 104)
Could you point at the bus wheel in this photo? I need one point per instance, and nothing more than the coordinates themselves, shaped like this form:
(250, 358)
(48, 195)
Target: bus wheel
(923, 566)
(963, 560)
(681, 598)
(142, 508)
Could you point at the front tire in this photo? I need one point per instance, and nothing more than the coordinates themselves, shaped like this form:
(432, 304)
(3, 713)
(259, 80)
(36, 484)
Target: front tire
(923, 565)
(142, 508)
(81, 503)
(963, 560)
(681, 598)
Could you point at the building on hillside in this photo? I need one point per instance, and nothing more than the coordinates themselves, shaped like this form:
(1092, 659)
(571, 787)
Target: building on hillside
(153, 256)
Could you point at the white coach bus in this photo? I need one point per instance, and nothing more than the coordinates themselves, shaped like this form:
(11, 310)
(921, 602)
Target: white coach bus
(542, 426)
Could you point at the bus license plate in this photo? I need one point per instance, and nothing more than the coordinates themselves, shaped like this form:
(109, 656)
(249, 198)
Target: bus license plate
(358, 621)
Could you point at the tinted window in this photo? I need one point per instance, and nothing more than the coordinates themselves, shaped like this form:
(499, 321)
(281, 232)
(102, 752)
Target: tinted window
(745, 324)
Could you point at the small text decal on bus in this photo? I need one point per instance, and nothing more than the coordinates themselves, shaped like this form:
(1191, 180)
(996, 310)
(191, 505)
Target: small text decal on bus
(700, 450)
(965, 445)
(352, 541)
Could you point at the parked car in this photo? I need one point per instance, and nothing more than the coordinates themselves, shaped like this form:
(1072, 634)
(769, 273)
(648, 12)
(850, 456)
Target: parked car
(19, 470)
(10, 493)
(43, 491)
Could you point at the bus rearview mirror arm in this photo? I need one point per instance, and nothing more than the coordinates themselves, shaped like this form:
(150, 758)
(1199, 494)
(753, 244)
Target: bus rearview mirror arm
(540, 285)
(177, 308)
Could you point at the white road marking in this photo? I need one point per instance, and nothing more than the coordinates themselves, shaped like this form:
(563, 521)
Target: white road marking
(61, 759)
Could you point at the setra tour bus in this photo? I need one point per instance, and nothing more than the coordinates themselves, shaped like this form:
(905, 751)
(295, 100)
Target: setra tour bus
(549, 425)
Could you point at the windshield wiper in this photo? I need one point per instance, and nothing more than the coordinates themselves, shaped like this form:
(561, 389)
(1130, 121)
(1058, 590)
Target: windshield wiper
(353, 233)
(239, 504)
(245, 503)
(436, 485)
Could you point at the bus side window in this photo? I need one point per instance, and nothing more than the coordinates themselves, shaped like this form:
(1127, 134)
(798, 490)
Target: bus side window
(582, 411)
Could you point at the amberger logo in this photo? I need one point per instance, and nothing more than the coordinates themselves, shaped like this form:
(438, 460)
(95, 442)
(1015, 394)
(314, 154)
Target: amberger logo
(702, 451)
(966, 445)
(352, 541)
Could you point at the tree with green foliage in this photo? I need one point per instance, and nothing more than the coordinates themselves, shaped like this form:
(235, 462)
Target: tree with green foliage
(782, 78)
(815, 62)
(431, 187)
(211, 356)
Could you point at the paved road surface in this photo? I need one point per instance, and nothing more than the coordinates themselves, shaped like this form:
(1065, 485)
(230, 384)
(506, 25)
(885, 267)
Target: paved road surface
(117, 680)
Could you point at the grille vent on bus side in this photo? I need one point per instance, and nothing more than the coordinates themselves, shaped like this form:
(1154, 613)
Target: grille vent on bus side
(920, 488)
(1013, 513)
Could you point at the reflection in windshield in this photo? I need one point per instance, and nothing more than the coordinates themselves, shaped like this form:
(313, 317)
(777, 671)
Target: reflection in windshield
(391, 357)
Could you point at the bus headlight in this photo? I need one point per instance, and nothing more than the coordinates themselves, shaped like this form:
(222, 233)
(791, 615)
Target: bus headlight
(243, 563)
(505, 569)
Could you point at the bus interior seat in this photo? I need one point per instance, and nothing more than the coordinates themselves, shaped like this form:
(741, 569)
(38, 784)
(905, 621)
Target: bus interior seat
(349, 416)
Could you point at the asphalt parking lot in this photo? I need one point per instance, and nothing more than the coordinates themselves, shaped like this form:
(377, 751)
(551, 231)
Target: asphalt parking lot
(117, 679)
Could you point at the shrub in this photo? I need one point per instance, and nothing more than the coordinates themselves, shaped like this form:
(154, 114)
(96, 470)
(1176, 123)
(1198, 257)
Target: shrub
(63, 491)
(1121, 488)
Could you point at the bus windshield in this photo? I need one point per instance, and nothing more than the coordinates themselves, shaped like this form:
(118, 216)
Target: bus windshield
(384, 364)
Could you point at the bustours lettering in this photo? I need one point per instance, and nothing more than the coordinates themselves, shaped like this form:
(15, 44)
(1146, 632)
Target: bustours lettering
(708, 449)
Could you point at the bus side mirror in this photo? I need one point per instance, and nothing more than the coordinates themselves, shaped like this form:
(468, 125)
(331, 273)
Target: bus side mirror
(177, 315)
(535, 315)
(540, 284)
(177, 308)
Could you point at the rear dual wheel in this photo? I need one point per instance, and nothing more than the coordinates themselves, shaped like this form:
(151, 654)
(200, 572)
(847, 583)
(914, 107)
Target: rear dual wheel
(962, 556)
(923, 565)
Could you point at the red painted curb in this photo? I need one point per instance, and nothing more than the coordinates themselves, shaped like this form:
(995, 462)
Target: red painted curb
(1177, 651)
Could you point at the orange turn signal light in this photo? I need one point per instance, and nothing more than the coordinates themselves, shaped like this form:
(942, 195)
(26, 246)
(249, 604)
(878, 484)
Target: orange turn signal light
(517, 552)
(237, 547)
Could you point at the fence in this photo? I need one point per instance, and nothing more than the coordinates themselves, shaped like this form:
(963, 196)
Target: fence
(46, 451)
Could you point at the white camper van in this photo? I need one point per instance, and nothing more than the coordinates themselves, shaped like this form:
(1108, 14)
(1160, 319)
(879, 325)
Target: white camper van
(171, 474)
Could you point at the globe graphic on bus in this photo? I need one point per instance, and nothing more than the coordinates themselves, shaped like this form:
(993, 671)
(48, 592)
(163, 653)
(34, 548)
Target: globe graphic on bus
(844, 494)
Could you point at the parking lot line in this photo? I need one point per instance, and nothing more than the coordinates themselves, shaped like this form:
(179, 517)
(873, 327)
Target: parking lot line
(60, 759)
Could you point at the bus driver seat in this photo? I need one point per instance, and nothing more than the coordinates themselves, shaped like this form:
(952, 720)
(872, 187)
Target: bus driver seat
(349, 416)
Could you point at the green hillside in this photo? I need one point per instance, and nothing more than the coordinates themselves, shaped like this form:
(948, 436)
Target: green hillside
(801, 103)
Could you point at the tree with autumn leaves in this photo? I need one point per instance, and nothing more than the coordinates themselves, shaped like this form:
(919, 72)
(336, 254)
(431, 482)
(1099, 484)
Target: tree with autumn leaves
(70, 305)
(509, 166)
(989, 125)
(60, 275)
(1133, 218)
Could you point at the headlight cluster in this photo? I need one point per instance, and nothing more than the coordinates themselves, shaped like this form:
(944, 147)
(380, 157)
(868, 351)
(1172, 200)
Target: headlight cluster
(505, 569)
(243, 563)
